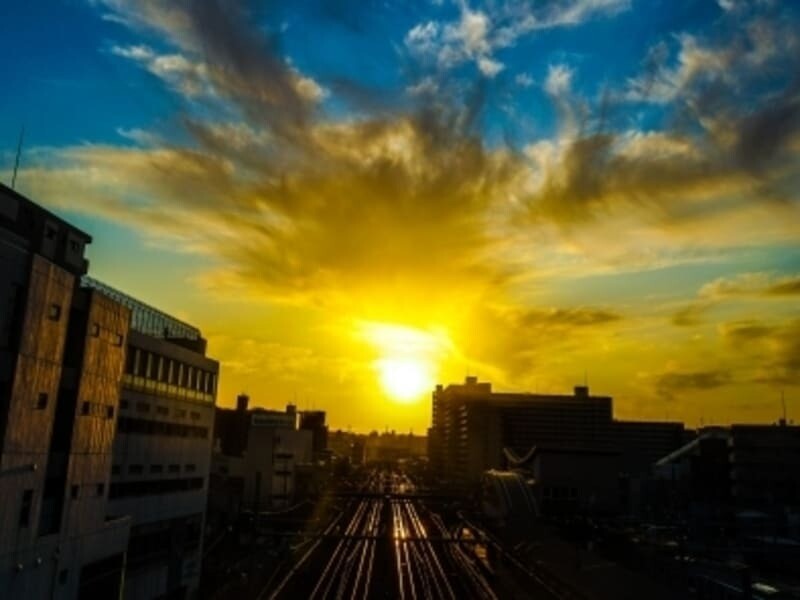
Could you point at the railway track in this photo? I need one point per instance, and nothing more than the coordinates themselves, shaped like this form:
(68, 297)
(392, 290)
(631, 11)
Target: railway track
(388, 531)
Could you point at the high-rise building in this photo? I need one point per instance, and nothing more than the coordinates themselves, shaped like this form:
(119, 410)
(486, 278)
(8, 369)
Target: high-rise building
(62, 350)
(474, 427)
(162, 449)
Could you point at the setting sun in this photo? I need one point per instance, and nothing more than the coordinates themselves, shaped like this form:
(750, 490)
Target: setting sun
(408, 359)
(404, 379)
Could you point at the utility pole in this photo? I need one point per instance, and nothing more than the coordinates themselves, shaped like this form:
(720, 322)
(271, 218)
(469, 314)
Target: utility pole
(16, 161)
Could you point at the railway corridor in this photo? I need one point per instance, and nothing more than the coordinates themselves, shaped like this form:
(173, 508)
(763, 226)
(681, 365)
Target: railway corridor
(384, 545)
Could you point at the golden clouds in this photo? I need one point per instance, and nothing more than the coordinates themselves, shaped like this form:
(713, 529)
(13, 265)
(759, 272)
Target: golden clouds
(416, 239)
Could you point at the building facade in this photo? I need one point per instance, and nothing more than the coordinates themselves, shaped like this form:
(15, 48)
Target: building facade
(62, 350)
(259, 455)
(314, 421)
(162, 450)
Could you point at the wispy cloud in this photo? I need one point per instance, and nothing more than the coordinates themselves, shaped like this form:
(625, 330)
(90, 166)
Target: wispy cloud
(406, 211)
(479, 33)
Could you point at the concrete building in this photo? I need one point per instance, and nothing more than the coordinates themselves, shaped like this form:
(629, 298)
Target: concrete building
(472, 426)
(314, 421)
(742, 467)
(258, 452)
(61, 356)
(576, 480)
(162, 449)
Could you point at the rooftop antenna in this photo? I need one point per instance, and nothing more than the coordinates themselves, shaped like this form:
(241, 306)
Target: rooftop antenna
(783, 405)
(19, 153)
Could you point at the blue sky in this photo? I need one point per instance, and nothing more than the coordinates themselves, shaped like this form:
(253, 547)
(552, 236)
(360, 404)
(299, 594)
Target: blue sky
(529, 190)
(59, 62)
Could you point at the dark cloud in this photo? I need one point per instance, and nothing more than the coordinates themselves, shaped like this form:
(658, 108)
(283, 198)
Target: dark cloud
(567, 317)
(787, 287)
(746, 331)
(669, 384)
(775, 349)
(690, 315)
(732, 127)
(757, 285)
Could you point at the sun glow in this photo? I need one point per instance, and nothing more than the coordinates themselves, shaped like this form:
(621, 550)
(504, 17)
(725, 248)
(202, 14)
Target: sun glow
(404, 379)
(408, 358)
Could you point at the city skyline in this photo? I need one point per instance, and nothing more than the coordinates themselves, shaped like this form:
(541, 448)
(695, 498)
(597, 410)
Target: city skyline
(357, 203)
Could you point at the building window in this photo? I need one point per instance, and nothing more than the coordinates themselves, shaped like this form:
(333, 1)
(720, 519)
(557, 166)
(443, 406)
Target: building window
(74, 490)
(109, 412)
(162, 410)
(141, 362)
(85, 406)
(177, 370)
(130, 360)
(142, 407)
(115, 469)
(190, 468)
(166, 374)
(135, 469)
(95, 330)
(101, 489)
(174, 468)
(156, 468)
(119, 339)
(123, 404)
(54, 312)
(180, 413)
(41, 401)
(25, 508)
(195, 416)
(50, 232)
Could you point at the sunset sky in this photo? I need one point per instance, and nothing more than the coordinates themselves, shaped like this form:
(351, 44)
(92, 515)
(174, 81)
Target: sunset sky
(356, 200)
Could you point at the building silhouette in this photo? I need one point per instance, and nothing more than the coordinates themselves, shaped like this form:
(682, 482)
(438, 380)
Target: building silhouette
(259, 458)
(314, 421)
(475, 429)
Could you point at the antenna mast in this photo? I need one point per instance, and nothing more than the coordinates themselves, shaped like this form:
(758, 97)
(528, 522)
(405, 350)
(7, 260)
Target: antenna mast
(783, 404)
(16, 161)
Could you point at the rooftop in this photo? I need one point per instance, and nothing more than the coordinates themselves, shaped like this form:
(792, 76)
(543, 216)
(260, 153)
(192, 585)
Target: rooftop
(145, 318)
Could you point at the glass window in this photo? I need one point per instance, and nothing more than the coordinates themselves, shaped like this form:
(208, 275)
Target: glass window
(130, 360)
(150, 366)
(141, 362)
(41, 401)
